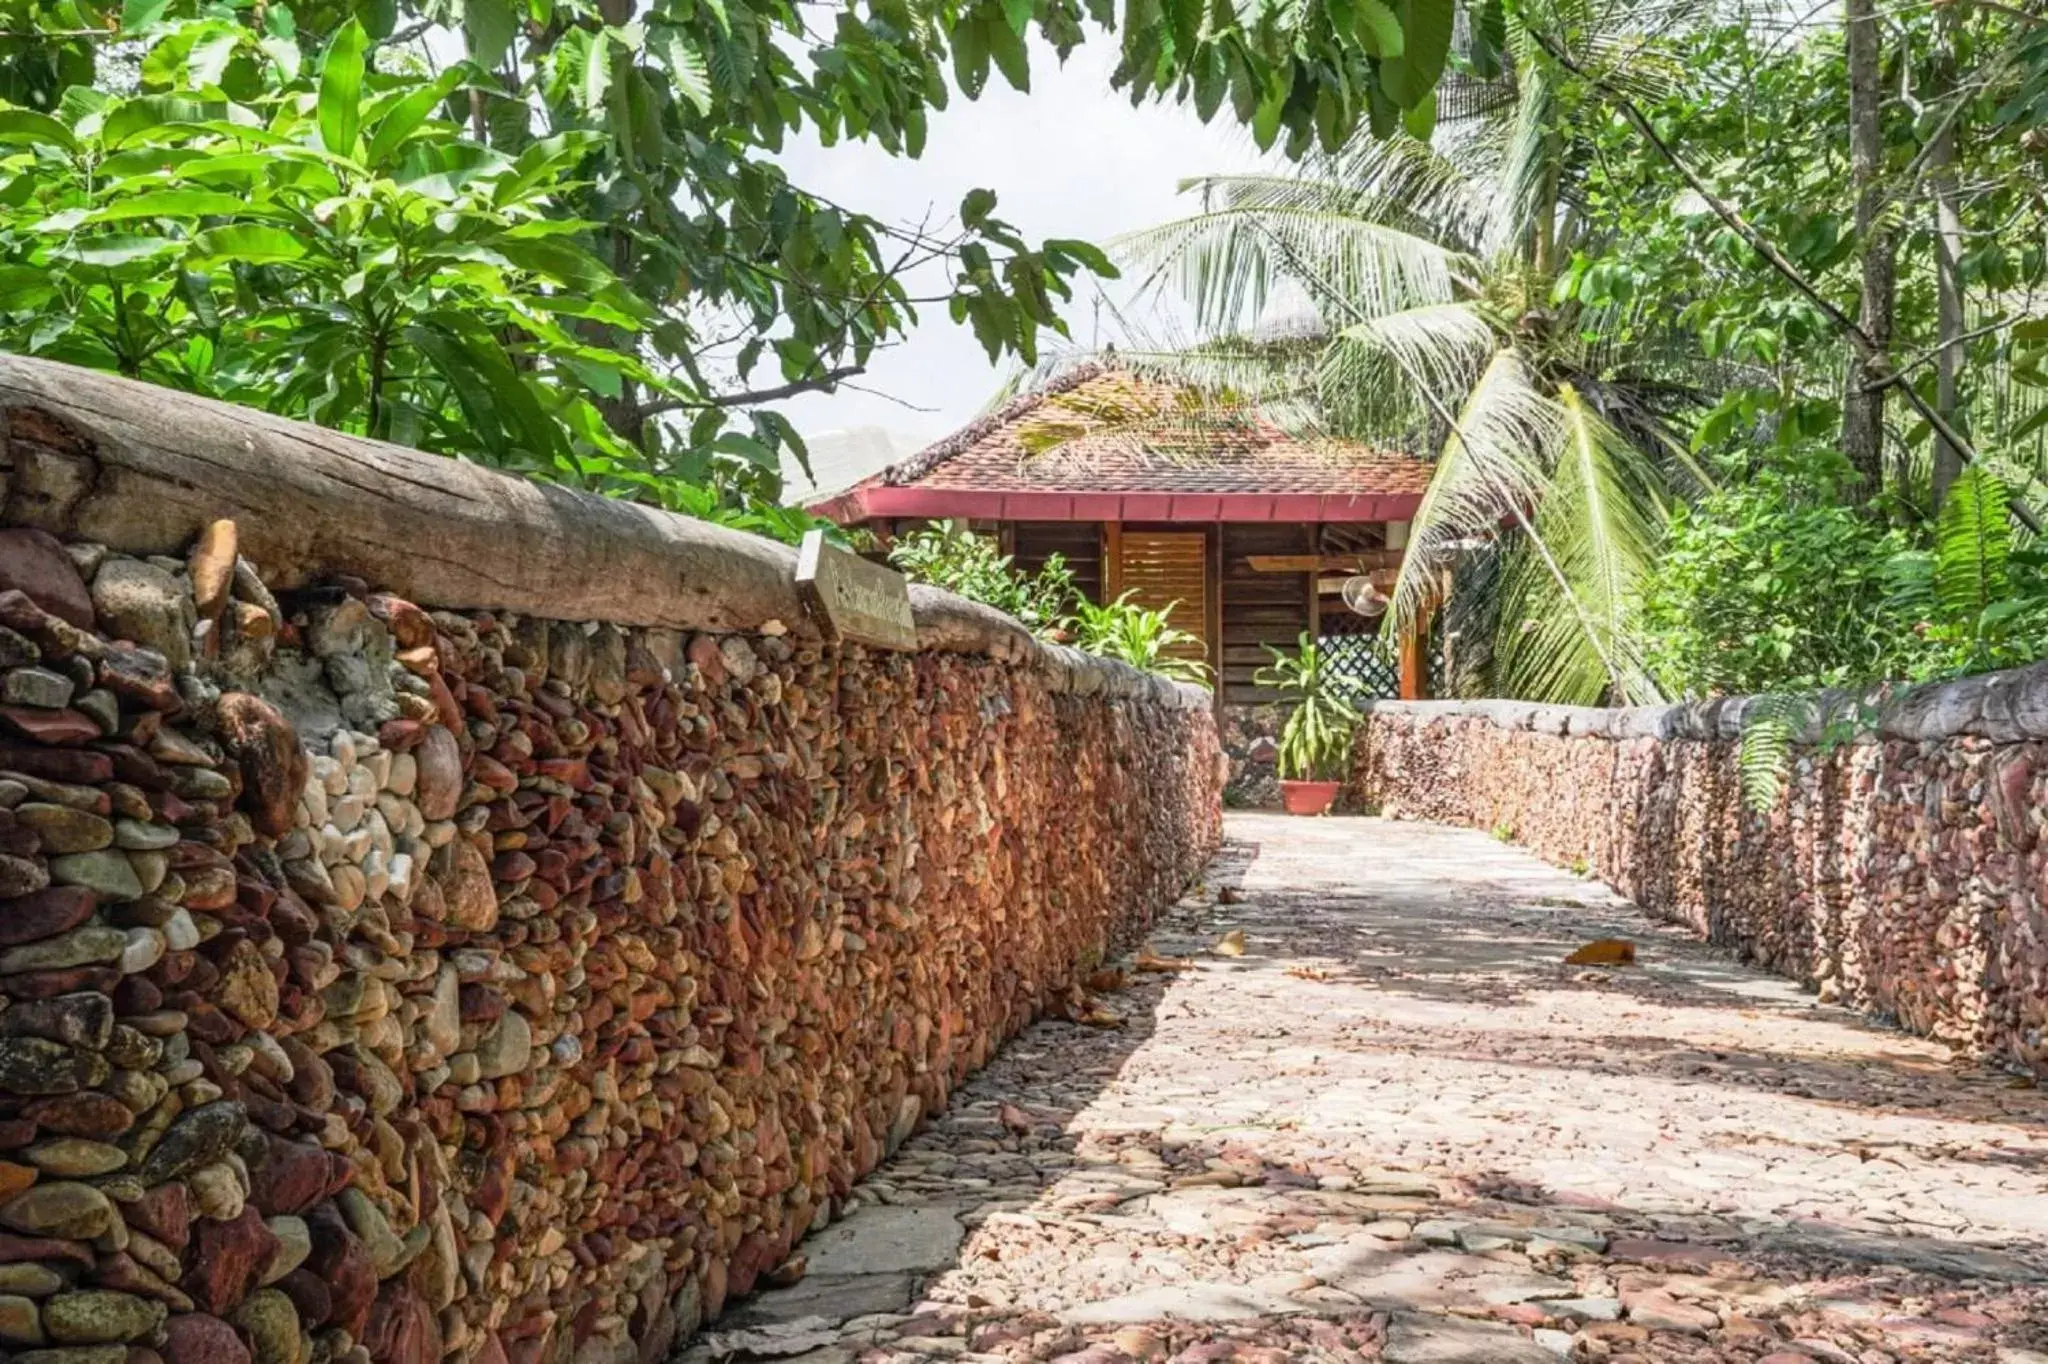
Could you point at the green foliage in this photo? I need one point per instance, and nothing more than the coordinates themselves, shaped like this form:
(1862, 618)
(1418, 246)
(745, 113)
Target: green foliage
(1315, 743)
(950, 555)
(1765, 753)
(574, 252)
(1136, 635)
(1772, 583)
(1976, 600)
(1437, 325)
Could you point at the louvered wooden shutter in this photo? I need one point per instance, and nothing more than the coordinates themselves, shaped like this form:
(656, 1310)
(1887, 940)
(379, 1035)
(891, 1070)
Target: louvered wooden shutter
(1170, 568)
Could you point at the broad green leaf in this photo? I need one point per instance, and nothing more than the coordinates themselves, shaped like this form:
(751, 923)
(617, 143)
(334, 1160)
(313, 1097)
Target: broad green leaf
(970, 56)
(341, 89)
(406, 116)
(688, 73)
(27, 128)
(1087, 253)
(249, 244)
(173, 203)
(561, 261)
(137, 15)
(115, 249)
(1008, 51)
(1426, 43)
(1420, 121)
(747, 448)
(1381, 28)
(597, 72)
(546, 162)
(210, 58)
(490, 25)
(23, 287)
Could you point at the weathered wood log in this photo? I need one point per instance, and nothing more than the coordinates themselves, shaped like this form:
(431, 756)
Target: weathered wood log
(143, 469)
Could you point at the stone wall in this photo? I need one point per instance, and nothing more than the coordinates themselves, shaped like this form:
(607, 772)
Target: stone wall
(1251, 742)
(384, 983)
(1902, 873)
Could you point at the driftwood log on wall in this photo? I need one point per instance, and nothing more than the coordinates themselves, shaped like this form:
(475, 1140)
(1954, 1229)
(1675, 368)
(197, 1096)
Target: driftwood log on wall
(383, 984)
(142, 470)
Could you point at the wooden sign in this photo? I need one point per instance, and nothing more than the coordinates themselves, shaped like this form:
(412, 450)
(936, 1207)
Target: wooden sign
(856, 601)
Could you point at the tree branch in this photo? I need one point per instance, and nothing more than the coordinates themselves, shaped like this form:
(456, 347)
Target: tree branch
(752, 396)
(1920, 358)
(1763, 246)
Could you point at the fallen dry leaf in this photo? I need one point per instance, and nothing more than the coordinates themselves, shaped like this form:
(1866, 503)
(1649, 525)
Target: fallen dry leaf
(1604, 952)
(1149, 959)
(789, 1273)
(1308, 972)
(1107, 979)
(1231, 944)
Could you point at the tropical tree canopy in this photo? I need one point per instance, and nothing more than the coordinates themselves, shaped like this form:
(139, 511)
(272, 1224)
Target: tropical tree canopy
(1622, 270)
(552, 233)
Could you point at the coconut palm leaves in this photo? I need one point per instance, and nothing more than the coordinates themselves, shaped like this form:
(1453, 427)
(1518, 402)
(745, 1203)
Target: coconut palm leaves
(1400, 292)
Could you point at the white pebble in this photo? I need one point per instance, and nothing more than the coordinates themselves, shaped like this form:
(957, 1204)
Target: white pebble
(180, 933)
(362, 784)
(314, 801)
(378, 831)
(401, 877)
(145, 949)
(405, 775)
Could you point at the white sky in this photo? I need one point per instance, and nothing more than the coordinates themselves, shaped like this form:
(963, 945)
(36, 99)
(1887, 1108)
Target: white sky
(1069, 159)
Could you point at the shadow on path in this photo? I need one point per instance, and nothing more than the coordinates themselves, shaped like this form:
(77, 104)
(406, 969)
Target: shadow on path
(1398, 1127)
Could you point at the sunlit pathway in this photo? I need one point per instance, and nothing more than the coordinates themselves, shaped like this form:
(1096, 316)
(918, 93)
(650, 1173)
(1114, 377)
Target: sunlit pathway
(1399, 1127)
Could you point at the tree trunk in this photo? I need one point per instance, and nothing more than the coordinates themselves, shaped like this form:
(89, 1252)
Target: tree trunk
(1863, 407)
(1948, 285)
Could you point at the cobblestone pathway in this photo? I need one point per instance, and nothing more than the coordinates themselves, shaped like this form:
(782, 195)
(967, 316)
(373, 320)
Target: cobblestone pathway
(1398, 1127)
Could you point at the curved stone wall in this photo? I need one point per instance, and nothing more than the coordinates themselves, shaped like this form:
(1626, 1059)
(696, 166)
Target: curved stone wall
(1901, 872)
(393, 983)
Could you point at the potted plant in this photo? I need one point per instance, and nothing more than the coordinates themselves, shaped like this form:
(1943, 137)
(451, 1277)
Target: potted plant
(1315, 743)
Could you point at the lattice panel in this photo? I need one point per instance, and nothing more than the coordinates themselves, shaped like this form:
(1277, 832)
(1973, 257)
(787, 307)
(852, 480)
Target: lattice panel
(1368, 668)
(1171, 568)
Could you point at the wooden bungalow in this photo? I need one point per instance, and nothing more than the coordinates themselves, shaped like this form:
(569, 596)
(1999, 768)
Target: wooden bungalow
(1247, 533)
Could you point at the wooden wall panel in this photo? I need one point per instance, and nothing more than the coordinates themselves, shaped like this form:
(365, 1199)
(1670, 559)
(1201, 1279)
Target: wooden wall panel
(1260, 608)
(1171, 568)
(1079, 542)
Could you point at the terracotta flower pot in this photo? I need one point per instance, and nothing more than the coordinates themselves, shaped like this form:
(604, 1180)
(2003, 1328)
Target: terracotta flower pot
(1308, 797)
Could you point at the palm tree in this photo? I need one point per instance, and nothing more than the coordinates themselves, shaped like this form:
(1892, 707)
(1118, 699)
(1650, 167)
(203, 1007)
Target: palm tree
(1405, 291)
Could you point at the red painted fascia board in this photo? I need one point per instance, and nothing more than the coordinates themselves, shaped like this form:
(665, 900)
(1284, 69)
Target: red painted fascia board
(874, 501)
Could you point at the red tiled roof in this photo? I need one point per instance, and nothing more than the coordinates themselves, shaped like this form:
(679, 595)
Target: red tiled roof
(1107, 431)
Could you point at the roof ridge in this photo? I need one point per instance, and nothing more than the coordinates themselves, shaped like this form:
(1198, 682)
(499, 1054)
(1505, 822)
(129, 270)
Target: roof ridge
(967, 437)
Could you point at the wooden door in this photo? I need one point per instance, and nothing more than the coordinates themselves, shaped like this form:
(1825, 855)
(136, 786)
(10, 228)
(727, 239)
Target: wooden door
(1162, 569)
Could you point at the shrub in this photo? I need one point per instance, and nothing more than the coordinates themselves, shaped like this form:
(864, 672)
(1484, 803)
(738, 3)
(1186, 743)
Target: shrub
(948, 554)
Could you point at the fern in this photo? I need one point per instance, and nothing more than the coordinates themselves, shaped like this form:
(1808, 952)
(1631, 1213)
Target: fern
(1766, 752)
(1973, 548)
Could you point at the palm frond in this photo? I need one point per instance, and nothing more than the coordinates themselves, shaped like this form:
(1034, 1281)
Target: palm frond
(1402, 180)
(1442, 346)
(1527, 164)
(1229, 264)
(1600, 522)
(1488, 473)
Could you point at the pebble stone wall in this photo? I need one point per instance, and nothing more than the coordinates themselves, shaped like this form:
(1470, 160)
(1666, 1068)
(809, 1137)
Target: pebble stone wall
(1902, 873)
(384, 984)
